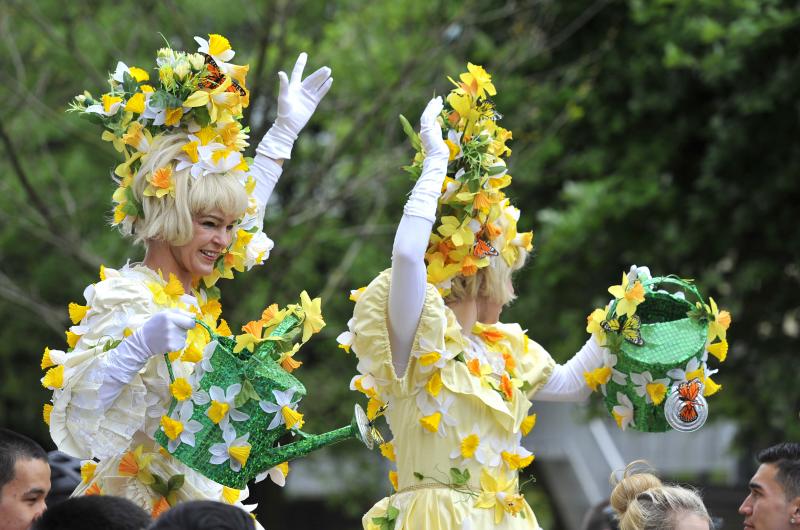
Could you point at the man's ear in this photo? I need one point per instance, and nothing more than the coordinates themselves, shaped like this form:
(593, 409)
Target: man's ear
(794, 508)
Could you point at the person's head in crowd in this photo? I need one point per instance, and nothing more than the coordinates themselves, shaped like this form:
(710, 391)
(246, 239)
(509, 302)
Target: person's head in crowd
(774, 499)
(94, 511)
(24, 480)
(204, 515)
(643, 502)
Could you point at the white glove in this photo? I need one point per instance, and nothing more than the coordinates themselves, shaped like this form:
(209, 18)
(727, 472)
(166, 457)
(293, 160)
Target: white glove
(425, 195)
(297, 100)
(164, 332)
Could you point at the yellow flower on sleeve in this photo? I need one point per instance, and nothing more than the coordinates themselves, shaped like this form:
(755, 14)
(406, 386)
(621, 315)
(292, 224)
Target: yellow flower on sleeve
(72, 338)
(47, 410)
(528, 424)
(54, 378)
(47, 362)
(77, 312)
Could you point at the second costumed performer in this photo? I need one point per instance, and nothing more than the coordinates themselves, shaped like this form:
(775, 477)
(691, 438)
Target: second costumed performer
(187, 194)
(455, 380)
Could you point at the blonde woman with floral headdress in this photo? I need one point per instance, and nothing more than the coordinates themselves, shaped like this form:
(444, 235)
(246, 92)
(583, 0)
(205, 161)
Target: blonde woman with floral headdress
(455, 381)
(187, 194)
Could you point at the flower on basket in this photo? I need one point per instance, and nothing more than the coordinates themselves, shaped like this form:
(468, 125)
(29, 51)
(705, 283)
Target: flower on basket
(623, 411)
(223, 406)
(234, 450)
(181, 429)
(286, 406)
(654, 391)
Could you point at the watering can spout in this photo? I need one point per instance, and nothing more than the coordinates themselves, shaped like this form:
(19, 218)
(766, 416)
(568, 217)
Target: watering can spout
(359, 428)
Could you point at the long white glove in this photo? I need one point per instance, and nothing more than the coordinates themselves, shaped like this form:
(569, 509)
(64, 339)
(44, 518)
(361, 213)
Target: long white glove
(407, 292)
(425, 195)
(164, 332)
(297, 100)
(566, 383)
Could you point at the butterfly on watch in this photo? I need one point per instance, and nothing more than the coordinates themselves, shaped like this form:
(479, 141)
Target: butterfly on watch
(629, 328)
(482, 248)
(216, 77)
(689, 396)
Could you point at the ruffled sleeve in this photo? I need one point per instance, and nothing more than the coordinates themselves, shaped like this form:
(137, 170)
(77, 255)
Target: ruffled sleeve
(115, 307)
(371, 343)
(534, 364)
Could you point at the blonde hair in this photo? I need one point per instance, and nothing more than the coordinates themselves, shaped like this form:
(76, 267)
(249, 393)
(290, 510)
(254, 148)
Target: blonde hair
(492, 282)
(170, 219)
(643, 502)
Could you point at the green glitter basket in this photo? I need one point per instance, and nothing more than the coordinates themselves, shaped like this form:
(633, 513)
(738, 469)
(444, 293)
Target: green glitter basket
(259, 374)
(671, 340)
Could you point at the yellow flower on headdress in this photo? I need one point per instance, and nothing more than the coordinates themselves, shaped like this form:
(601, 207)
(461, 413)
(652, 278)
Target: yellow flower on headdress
(160, 183)
(478, 79)
(54, 378)
(459, 232)
(216, 46)
(628, 296)
(77, 312)
(221, 103)
(438, 272)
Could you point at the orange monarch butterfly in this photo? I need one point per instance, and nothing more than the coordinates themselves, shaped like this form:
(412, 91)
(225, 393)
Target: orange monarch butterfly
(688, 393)
(481, 248)
(215, 78)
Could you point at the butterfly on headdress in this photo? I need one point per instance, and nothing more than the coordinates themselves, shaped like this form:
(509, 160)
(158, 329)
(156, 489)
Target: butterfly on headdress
(481, 248)
(629, 328)
(216, 78)
(689, 397)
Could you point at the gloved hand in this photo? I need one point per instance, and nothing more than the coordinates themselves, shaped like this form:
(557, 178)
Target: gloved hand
(430, 132)
(425, 195)
(163, 332)
(297, 100)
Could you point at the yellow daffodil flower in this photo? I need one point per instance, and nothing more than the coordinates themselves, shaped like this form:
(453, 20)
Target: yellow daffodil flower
(240, 453)
(77, 312)
(469, 444)
(135, 464)
(181, 389)
(515, 461)
(87, 470)
(657, 392)
(458, 232)
(230, 495)
(287, 360)
(313, 315)
(387, 450)
(160, 183)
(478, 77)
(47, 410)
(431, 423)
(434, 384)
(498, 493)
(172, 428)
(719, 350)
(292, 418)
(593, 325)
(718, 327)
(54, 378)
(629, 297)
(393, 479)
(438, 272)
(598, 376)
(72, 338)
(528, 424)
(217, 410)
(47, 362)
(221, 104)
(374, 406)
(135, 103)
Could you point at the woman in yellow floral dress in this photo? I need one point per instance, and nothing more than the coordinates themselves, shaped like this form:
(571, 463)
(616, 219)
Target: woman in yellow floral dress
(456, 382)
(188, 195)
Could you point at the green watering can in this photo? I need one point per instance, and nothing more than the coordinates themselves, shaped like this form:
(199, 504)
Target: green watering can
(232, 452)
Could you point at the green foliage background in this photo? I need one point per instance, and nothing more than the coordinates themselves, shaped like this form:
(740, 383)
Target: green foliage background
(658, 132)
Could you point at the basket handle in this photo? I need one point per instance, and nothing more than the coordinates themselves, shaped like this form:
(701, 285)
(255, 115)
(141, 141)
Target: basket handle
(674, 280)
(166, 355)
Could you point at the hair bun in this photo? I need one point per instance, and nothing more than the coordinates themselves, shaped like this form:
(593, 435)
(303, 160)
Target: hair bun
(636, 479)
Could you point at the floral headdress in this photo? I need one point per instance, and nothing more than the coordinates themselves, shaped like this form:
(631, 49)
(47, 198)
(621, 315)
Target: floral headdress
(200, 96)
(476, 220)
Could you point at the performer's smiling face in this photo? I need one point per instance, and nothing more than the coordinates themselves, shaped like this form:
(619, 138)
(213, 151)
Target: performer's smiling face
(213, 233)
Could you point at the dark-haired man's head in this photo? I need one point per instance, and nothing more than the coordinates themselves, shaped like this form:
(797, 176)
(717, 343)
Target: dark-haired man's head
(24, 480)
(774, 500)
(204, 515)
(94, 511)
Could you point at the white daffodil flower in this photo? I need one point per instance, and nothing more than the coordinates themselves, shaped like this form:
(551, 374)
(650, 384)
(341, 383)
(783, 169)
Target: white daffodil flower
(223, 408)
(623, 412)
(183, 413)
(234, 450)
(283, 398)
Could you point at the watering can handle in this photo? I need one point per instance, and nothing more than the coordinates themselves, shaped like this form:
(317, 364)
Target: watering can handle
(166, 355)
(674, 280)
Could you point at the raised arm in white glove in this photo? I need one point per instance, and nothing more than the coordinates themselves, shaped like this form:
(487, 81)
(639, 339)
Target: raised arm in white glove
(409, 279)
(164, 332)
(297, 100)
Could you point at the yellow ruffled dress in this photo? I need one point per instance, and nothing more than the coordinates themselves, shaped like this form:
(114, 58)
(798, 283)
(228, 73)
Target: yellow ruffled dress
(462, 403)
(120, 455)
